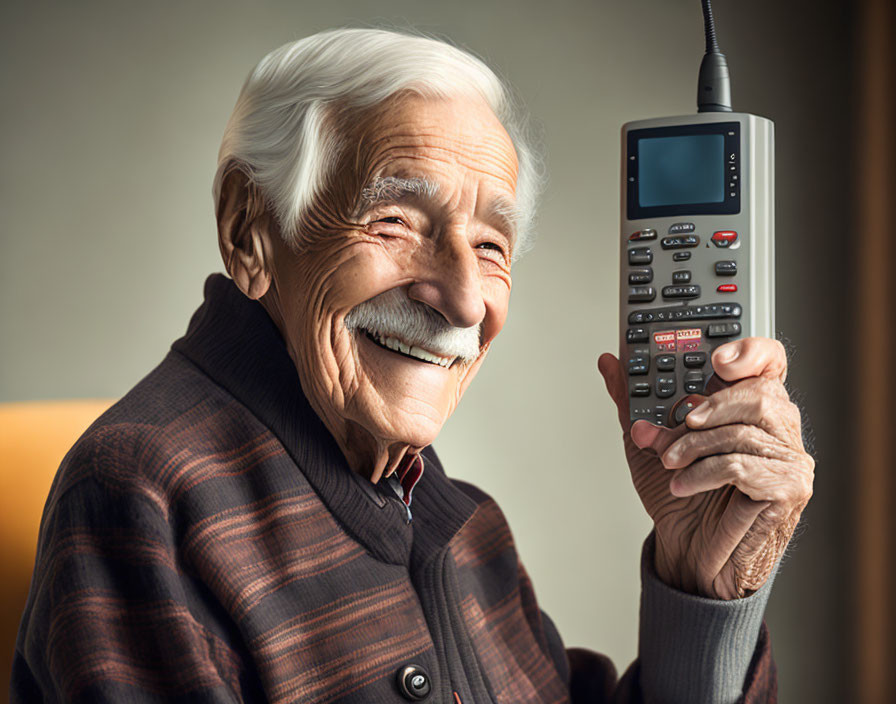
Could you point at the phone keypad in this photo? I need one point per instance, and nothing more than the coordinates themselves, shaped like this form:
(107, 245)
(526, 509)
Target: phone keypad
(671, 341)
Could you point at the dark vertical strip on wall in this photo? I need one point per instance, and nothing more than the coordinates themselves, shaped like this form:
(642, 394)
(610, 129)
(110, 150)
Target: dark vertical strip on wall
(874, 343)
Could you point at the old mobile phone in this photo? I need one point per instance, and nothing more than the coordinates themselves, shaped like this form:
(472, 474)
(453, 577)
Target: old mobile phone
(697, 242)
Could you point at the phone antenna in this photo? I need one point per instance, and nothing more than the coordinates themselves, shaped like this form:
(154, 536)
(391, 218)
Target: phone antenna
(713, 86)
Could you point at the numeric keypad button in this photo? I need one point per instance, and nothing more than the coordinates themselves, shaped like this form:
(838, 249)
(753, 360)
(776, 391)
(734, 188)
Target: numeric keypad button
(640, 276)
(726, 268)
(665, 362)
(640, 388)
(694, 360)
(665, 386)
(693, 382)
(640, 255)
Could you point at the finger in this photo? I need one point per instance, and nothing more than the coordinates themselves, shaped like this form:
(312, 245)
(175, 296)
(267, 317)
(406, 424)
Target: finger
(760, 479)
(617, 385)
(740, 438)
(754, 401)
(740, 514)
(648, 436)
(751, 356)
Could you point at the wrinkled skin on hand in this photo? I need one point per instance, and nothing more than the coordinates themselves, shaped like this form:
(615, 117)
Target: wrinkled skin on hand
(726, 488)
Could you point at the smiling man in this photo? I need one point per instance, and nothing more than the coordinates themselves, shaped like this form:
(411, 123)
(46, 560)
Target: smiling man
(263, 517)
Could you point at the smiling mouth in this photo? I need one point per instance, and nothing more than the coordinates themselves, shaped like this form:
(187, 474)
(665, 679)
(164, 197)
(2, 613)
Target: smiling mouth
(393, 344)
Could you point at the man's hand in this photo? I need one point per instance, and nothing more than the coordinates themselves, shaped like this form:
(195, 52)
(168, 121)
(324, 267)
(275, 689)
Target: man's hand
(726, 488)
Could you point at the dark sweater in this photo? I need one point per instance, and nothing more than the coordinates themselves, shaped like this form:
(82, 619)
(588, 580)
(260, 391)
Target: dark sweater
(205, 541)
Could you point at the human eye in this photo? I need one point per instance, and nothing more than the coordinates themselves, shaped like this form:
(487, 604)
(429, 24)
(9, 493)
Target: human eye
(387, 225)
(392, 220)
(493, 251)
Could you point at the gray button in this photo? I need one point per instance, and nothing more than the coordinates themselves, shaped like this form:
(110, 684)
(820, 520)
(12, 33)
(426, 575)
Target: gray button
(641, 294)
(681, 228)
(413, 682)
(723, 329)
(636, 335)
(640, 388)
(691, 291)
(665, 386)
(640, 276)
(726, 268)
(693, 382)
(640, 255)
(694, 360)
(681, 277)
(680, 242)
(665, 362)
(638, 366)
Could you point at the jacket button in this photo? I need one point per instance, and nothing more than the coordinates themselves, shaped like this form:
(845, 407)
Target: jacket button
(414, 682)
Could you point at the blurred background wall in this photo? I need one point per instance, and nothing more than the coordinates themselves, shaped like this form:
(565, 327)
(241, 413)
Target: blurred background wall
(111, 117)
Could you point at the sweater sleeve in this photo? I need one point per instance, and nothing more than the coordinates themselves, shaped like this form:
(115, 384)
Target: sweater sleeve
(111, 616)
(691, 649)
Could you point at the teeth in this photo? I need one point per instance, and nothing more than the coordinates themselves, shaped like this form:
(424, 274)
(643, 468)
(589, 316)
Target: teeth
(394, 343)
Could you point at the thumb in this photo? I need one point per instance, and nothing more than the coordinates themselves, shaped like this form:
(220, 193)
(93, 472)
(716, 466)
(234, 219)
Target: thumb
(617, 386)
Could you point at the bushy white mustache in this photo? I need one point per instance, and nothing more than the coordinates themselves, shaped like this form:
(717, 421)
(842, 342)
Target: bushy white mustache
(393, 314)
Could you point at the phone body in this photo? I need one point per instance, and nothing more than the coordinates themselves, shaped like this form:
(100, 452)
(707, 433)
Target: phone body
(697, 265)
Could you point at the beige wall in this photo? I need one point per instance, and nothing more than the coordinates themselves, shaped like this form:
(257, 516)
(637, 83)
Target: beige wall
(111, 118)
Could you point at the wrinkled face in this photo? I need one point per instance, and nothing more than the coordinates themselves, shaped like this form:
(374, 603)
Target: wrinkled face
(388, 321)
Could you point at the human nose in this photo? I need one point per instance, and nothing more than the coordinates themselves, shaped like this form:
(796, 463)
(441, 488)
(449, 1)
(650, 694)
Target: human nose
(449, 282)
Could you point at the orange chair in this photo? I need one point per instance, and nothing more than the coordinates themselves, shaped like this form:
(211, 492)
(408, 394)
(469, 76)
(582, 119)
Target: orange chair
(34, 437)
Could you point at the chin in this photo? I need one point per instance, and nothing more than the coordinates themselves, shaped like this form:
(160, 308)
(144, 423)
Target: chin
(401, 399)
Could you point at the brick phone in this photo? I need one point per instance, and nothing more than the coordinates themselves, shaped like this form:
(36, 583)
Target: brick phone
(697, 247)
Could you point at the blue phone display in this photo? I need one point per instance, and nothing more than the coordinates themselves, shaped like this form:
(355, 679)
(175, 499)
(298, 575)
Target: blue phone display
(681, 170)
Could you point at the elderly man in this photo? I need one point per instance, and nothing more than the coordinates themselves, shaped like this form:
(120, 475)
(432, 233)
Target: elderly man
(263, 518)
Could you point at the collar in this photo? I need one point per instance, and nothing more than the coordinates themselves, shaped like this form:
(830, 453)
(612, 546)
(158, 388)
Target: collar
(234, 342)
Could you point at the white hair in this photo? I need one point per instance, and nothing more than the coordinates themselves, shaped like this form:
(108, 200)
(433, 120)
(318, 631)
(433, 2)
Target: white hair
(279, 135)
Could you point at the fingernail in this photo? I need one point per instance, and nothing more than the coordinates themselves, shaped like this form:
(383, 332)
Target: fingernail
(644, 433)
(729, 354)
(699, 414)
(675, 487)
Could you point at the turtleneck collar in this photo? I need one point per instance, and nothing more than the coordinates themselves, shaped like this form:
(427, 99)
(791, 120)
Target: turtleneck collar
(233, 341)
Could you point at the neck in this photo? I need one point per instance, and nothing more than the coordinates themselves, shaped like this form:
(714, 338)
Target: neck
(369, 456)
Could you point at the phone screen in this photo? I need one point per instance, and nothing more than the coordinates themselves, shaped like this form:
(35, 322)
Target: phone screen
(681, 170)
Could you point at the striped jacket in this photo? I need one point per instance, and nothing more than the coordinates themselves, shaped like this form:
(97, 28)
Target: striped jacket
(205, 541)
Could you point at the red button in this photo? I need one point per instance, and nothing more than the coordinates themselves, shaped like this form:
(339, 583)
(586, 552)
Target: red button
(727, 288)
(724, 238)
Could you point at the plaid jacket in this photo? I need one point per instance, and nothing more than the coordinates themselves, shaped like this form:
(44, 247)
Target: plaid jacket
(205, 541)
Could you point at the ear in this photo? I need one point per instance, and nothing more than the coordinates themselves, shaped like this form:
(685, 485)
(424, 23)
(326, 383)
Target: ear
(244, 232)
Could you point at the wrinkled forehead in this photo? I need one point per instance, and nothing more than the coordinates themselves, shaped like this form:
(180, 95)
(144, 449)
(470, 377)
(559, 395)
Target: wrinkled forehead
(459, 132)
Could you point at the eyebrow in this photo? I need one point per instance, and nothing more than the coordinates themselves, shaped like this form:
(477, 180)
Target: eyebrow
(506, 216)
(392, 188)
